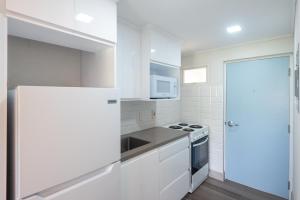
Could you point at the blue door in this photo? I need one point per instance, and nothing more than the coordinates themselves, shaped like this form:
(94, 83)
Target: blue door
(257, 118)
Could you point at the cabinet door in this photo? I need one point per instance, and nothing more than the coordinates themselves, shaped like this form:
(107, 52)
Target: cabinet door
(165, 49)
(159, 47)
(57, 12)
(129, 61)
(174, 52)
(97, 18)
(139, 180)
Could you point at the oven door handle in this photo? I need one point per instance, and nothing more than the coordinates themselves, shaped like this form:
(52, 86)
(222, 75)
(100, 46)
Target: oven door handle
(199, 144)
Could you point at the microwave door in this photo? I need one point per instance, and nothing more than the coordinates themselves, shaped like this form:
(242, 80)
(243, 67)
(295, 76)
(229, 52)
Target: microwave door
(163, 87)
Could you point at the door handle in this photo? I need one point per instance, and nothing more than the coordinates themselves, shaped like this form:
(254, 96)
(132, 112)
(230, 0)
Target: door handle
(231, 123)
(199, 144)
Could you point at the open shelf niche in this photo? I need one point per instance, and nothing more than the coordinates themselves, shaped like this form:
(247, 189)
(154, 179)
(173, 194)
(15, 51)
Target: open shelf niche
(39, 55)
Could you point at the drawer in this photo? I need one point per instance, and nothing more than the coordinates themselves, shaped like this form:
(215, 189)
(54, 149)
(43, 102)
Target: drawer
(173, 148)
(177, 189)
(173, 167)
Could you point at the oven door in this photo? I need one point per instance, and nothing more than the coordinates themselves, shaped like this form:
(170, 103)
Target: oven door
(199, 154)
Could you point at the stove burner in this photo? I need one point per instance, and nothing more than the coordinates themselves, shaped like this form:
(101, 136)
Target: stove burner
(195, 126)
(188, 129)
(175, 127)
(183, 124)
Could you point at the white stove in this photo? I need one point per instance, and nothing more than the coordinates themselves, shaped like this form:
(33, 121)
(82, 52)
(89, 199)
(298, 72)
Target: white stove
(196, 131)
(199, 151)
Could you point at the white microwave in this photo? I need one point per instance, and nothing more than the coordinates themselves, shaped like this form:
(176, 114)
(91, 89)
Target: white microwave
(163, 87)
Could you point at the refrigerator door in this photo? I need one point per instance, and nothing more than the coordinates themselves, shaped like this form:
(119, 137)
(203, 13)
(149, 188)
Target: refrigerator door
(103, 185)
(63, 133)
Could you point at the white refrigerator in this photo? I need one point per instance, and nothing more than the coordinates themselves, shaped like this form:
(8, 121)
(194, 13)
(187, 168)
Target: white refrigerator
(64, 143)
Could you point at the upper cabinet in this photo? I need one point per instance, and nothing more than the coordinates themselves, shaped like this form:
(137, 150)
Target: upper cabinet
(129, 61)
(96, 18)
(60, 13)
(161, 56)
(164, 48)
(69, 43)
(142, 53)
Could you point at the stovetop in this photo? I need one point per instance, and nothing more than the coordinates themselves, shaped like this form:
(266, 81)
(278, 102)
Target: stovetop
(196, 131)
(189, 127)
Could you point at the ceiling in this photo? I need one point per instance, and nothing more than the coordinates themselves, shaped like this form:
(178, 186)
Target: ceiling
(201, 24)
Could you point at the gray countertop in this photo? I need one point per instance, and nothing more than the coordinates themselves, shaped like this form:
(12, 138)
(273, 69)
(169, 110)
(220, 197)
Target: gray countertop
(157, 136)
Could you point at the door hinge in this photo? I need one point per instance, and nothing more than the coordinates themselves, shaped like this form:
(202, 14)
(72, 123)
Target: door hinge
(289, 185)
(289, 72)
(289, 129)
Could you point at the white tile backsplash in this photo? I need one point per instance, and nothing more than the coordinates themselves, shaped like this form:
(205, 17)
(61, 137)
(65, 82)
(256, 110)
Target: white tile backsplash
(203, 104)
(139, 115)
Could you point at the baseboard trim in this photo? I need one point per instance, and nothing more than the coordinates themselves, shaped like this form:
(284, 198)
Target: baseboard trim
(216, 175)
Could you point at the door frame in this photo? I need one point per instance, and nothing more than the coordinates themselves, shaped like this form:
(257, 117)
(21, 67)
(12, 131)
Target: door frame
(291, 100)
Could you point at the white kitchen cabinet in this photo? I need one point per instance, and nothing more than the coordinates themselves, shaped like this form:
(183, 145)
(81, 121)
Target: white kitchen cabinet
(178, 189)
(161, 55)
(174, 178)
(102, 17)
(173, 167)
(56, 12)
(137, 50)
(96, 18)
(129, 61)
(159, 174)
(165, 49)
(139, 180)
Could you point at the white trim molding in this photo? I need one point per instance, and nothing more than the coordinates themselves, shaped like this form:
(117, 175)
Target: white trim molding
(3, 105)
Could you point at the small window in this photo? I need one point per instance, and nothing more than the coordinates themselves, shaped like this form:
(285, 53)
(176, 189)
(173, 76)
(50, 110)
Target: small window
(196, 75)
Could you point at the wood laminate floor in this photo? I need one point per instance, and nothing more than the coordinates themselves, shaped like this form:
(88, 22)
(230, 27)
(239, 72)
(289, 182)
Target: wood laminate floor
(213, 189)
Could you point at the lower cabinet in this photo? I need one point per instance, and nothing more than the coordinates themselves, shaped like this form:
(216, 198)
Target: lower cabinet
(139, 179)
(161, 174)
(177, 189)
(174, 174)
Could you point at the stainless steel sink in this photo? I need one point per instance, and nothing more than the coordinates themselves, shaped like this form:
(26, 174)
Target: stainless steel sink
(130, 143)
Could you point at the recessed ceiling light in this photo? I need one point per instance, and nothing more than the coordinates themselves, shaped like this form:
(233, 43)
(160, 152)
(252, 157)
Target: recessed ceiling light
(153, 50)
(84, 18)
(234, 29)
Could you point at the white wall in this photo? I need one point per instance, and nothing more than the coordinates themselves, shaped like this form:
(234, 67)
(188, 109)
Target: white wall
(139, 115)
(3, 81)
(204, 103)
(296, 188)
(36, 63)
